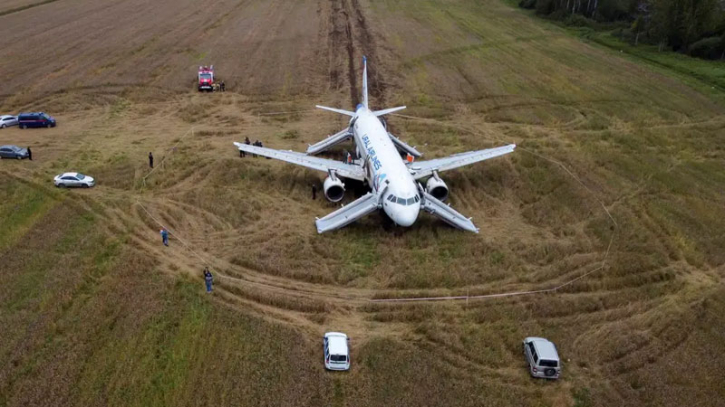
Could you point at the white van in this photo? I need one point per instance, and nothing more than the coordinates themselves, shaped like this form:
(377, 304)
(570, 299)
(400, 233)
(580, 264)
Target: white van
(337, 354)
(542, 357)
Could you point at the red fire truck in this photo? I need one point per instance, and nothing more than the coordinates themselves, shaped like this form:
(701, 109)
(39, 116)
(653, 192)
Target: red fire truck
(206, 78)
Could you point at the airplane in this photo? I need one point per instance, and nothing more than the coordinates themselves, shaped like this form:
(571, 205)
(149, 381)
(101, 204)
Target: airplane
(393, 181)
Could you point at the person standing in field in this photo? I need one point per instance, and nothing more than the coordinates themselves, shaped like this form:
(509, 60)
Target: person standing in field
(208, 279)
(165, 236)
(30, 154)
(151, 160)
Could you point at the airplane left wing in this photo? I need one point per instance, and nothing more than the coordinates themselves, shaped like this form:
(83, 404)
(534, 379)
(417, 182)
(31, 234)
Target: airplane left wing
(351, 171)
(348, 213)
(422, 169)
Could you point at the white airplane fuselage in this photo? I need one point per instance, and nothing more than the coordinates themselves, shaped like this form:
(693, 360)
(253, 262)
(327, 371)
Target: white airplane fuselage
(395, 188)
(385, 171)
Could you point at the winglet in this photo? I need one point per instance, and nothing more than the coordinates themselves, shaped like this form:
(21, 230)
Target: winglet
(365, 82)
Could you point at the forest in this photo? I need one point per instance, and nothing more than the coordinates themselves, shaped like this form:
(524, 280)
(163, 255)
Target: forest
(693, 27)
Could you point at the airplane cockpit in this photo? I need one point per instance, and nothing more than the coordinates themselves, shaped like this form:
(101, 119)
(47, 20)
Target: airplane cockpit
(403, 201)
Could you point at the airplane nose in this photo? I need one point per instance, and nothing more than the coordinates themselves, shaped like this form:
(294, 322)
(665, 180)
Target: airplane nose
(407, 216)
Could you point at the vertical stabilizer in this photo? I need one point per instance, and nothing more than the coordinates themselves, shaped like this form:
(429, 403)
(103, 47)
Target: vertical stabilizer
(365, 83)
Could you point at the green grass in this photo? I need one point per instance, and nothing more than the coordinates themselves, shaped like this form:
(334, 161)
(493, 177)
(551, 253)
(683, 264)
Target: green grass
(22, 207)
(118, 331)
(707, 76)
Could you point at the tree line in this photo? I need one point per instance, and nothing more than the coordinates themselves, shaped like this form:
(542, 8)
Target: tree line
(694, 27)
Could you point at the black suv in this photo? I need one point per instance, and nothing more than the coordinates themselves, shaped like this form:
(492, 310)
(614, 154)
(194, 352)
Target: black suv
(39, 119)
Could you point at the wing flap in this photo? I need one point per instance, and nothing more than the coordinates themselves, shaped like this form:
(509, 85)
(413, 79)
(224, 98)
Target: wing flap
(435, 207)
(422, 169)
(329, 142)
(351, 171)
(349, 213)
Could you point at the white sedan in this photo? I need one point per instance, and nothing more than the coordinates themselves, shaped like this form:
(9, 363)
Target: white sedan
(73, 179)
(7, 121)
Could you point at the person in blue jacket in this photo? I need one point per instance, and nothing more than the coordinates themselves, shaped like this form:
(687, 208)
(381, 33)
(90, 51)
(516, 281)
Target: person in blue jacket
(165, 236)
(208, 279)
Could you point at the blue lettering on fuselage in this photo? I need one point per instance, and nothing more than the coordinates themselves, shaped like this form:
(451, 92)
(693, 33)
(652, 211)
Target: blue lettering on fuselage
(371, 153)
(379, 181)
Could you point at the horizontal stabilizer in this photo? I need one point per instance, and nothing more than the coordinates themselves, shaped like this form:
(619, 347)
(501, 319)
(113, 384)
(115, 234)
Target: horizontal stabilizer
(435, 207)
(404, 147)
(329, 142)
(349, 213)
(388, 111)
(341, 111)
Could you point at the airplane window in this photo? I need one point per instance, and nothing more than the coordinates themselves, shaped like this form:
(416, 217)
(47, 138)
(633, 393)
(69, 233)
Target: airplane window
(417, 199)
(391, 198)
(401, 201)
(411, 201)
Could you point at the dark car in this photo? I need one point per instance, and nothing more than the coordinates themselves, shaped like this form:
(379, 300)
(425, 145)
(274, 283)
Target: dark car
(38, 119)
(13, 152)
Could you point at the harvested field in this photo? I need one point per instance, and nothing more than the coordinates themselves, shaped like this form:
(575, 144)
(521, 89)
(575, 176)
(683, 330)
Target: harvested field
(617, 179)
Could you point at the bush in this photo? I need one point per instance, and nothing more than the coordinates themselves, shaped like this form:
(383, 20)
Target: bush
(545, 7)
(527, 4)
(613, 10)
(578, 20)
(708, 48)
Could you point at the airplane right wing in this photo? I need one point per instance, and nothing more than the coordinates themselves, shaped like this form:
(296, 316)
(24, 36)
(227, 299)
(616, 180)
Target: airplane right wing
(344, 170)
(435, 207)
(422, 169)
(349, 213)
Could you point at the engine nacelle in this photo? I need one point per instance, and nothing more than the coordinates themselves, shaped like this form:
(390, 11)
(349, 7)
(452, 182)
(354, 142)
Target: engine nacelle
(334, 189)
(436, 187)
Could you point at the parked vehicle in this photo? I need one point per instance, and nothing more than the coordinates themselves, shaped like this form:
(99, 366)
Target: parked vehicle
(39, 119)
(13, 152)
(337, 354)
(73, 179)
(542, 357)
(7, 121)
(206, 78)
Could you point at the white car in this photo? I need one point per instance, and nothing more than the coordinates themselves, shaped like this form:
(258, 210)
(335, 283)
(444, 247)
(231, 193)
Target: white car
(73, 179)
(7, 121)
(542, 357)
(337, 354)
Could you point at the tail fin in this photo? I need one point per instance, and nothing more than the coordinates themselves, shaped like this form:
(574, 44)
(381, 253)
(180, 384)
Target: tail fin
(365, 83)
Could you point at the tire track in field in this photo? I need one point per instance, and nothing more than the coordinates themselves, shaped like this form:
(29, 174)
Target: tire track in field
(350, 35)
(26, 7)
(341, 43)
(376, 82)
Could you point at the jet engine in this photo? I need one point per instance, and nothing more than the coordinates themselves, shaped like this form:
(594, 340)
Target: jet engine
(334, 188)
(436, 187)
